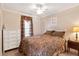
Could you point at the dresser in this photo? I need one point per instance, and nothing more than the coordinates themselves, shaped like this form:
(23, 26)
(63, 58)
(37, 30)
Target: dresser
(73, 45)
(11, 39)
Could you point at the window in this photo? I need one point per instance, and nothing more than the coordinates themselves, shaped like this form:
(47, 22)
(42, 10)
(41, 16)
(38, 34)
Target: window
(27, 28)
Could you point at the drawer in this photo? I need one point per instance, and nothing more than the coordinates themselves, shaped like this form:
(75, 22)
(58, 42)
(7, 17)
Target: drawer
(6, 47)
(11, 46)
(73, 44)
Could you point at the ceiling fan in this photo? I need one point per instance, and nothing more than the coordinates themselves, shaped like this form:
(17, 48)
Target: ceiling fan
(40, 8)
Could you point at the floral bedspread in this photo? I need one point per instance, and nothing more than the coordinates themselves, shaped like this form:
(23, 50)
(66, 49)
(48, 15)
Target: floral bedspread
(44, 45)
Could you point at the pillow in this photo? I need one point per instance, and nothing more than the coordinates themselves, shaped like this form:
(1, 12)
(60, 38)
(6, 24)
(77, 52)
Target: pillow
(58, 33)
(49, 32)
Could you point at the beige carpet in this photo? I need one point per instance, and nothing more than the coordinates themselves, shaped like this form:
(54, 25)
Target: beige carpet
(16, 53)
(13, 53)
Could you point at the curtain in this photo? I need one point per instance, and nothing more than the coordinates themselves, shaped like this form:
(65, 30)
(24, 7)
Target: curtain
(25, 18)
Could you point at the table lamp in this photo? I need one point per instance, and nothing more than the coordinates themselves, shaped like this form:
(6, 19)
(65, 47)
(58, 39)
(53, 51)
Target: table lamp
(76, 30)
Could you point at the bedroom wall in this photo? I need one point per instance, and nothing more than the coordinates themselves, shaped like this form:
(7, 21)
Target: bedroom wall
(65, 20)
(37, 28)
(49, 23)
(12, 21)
(37, 25)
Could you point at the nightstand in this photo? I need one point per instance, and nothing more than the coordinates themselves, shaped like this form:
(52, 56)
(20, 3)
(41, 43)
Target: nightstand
(73, 45)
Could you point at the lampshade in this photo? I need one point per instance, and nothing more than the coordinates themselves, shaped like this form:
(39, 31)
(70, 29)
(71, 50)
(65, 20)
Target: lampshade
(75, 29)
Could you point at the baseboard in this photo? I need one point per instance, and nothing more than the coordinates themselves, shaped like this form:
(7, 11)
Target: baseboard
(11, 49)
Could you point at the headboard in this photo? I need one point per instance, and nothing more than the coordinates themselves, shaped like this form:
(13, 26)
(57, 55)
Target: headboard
(55, 33)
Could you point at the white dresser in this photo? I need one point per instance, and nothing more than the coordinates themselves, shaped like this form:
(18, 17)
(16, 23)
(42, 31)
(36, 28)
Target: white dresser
(11, 39)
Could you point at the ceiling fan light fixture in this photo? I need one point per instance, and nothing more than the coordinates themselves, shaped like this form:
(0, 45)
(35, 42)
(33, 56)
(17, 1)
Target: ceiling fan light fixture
(39, 8)
(34, 7)
(39, 11)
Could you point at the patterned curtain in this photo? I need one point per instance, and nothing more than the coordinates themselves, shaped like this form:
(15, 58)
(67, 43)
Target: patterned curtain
(27, 18)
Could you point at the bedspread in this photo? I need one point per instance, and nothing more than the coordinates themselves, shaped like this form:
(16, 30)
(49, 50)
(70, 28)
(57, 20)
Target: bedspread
(44, 45)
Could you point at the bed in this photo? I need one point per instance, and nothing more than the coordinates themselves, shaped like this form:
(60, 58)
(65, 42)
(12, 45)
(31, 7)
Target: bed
(43, 45)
